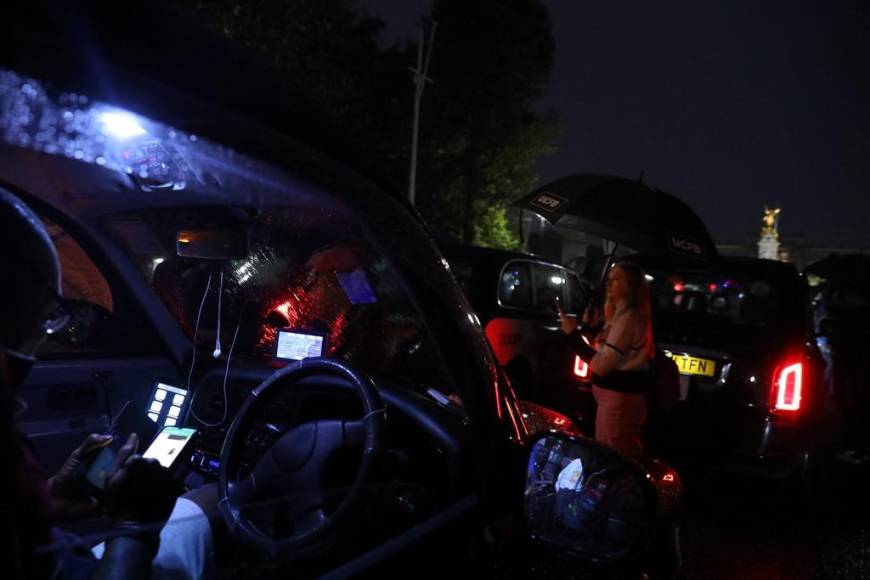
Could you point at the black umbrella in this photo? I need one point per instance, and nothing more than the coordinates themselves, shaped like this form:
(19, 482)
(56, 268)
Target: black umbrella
(842, 268)
(628, 212)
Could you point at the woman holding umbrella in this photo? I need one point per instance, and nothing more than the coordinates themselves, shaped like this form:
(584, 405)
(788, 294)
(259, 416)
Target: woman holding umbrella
(619, 356)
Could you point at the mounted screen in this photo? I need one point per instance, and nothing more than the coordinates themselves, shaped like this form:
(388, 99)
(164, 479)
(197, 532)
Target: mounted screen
(297, 345)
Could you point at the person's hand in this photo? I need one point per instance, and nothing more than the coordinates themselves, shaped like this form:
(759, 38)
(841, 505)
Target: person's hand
(141, 491)
(65, 486)
(567, 323)
(127, 449)
(591, 316)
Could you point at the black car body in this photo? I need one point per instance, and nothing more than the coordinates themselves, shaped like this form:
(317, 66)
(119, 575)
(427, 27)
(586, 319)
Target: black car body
(514, 294)
(750, 372)
(142, 171)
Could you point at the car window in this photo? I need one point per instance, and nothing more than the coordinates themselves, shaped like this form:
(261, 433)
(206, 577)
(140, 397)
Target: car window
(515, 285)
(740, 300)
(99, 320)
(82, 280)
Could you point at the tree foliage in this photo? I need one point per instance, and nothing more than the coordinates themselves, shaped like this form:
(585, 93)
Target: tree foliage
(491, 63)
(479, 137)
(330, 49)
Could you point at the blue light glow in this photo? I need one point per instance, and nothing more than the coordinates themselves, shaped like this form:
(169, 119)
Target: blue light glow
(120, 125)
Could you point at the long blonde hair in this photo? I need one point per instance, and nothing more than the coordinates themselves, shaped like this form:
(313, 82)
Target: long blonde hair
(638, 299)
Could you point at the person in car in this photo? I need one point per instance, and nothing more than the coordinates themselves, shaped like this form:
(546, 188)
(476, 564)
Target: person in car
(620, 358)
(140, 494)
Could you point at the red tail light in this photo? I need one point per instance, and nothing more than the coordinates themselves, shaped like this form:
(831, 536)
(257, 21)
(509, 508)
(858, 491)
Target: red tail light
(786, 389)
(581, 369)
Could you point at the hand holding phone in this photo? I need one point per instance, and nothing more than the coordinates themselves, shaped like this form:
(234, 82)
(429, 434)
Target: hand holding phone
(567, 323)
(66, 486)
(591, 316)
(110, 458)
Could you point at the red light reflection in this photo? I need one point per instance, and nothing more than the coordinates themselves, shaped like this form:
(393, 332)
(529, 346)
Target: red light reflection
(581, 368)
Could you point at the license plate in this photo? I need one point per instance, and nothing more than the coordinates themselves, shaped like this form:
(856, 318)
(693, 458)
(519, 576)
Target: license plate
(691, 365)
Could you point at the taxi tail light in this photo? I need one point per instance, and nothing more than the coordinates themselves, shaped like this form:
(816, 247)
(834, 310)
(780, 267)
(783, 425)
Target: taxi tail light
(581, 367)
(786, 390)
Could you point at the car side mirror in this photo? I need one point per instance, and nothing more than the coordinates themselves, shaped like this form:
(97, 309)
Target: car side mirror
(79, 324)
(585, 499)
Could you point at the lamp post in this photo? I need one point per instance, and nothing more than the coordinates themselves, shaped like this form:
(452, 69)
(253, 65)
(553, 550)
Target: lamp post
(420, 79)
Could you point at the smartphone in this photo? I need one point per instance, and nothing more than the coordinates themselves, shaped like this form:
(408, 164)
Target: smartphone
(170, 444)
(128, 420)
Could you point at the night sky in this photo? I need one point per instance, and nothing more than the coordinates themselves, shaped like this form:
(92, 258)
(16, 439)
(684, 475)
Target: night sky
(727, 105)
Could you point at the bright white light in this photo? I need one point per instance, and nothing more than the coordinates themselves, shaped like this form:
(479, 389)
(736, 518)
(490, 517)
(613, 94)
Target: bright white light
(244, 272)
(159, 395)
(120, 125)
(178, 400)
(557, 280)
(156, 406)
(153, 416)
(648, 277)
(170, 422)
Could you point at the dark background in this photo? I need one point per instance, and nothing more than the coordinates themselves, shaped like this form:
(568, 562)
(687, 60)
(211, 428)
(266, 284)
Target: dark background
(729, 106)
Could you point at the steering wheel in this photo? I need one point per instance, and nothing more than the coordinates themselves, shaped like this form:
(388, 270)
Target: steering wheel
(291, 470)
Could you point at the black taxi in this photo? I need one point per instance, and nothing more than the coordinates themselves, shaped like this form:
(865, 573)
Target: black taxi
(241, 281)
(751, 389)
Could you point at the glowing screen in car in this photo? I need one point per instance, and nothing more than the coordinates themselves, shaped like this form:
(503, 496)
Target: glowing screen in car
(298, 345)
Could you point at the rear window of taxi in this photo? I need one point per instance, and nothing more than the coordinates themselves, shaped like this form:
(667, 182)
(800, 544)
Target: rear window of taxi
(730, 299)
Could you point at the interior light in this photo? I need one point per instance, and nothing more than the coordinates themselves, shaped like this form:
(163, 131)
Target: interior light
(679, 287)
(648, 278)
(120, 125)
(557, 280)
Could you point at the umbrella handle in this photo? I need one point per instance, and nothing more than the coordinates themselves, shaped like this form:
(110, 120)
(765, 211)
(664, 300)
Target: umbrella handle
(595, 296)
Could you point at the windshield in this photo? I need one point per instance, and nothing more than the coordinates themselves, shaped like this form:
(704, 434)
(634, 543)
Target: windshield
(307, 270)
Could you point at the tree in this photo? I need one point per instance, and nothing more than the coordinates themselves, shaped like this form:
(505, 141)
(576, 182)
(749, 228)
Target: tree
(331, 51)
(480, 137)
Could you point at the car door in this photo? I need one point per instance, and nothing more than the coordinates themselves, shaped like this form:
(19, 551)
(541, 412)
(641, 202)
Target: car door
(108, 354)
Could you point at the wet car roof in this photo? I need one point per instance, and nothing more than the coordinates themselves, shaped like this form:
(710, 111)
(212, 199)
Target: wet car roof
(730, 265)
(480, 254)
(115, 52)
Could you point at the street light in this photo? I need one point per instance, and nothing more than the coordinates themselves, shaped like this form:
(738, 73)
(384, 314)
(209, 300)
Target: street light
(420, 79)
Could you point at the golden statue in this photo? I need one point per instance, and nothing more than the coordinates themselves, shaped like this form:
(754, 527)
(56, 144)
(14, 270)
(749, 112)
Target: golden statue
(770, 221)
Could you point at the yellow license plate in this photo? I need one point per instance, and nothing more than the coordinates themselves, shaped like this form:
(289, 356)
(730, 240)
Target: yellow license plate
(691, 365)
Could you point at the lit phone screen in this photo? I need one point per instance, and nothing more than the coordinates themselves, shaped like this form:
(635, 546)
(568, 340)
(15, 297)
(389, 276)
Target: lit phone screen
(168, 444)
